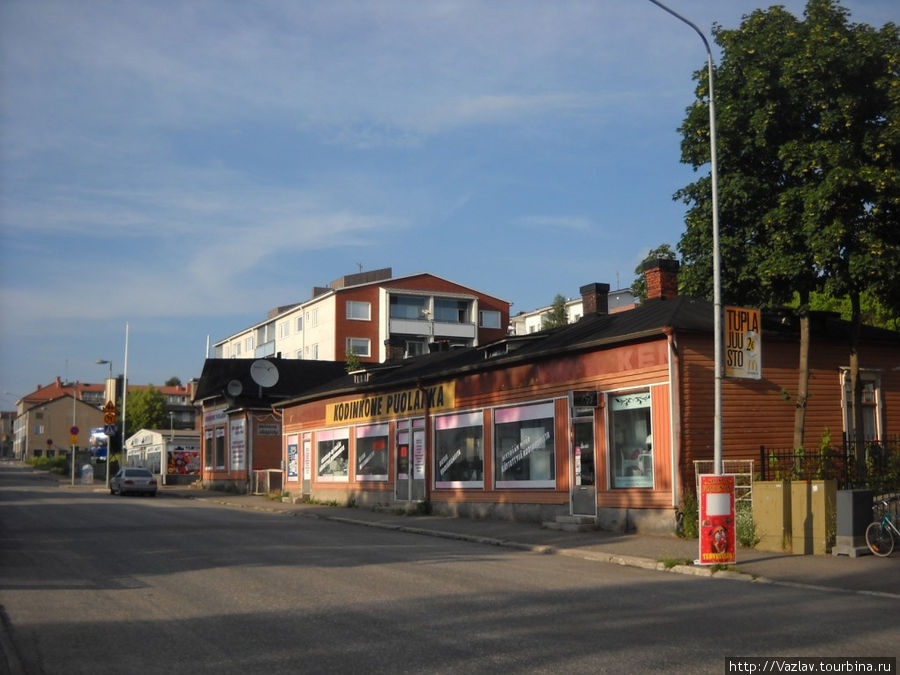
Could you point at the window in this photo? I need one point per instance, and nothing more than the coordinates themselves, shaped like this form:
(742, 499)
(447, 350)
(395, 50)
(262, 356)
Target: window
(208, 449)
(237, 349)
(372, 452)
(315, 351)
(871, 404)
(489, 318)
(359, 346)
(220, 448)
(451, 311)
(284, 329)
(333, 455)
(299, 324)
(248, 343)
(459, 451)
(631, 440)
(524, 447)
(359, 311)
(407, 307)
(415, 348)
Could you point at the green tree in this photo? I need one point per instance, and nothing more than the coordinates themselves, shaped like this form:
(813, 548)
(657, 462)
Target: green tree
(173, 381)
(145, 410)
(557, 316)
(808, 167)
(639, 285)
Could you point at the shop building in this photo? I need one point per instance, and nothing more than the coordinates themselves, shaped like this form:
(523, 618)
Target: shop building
(241, 430)
(603, 418)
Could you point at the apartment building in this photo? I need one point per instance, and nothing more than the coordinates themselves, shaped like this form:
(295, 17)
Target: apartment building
(377, 317)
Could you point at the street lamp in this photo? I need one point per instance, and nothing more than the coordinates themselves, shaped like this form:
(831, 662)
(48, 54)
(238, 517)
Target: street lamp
(717, 282)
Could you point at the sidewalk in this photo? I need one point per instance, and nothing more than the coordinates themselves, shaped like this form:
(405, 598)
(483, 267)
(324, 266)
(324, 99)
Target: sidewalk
(866, 574)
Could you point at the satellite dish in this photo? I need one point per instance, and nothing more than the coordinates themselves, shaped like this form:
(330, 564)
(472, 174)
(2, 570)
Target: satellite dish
(234, 388)
(264, 373)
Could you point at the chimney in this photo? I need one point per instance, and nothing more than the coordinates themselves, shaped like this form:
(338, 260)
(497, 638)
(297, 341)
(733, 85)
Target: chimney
(662, 279)
(594, 299)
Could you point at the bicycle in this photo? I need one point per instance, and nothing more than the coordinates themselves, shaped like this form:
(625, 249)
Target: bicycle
(881, 533)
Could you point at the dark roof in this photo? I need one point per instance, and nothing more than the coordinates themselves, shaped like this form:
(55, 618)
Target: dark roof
(649, 320)
(294, 377)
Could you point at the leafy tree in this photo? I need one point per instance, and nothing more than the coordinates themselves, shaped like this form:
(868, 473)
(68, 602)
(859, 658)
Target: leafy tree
(809, 151)
(639, 285)
(145, 410)
(557, 316)
(173, 381)
(353, 362)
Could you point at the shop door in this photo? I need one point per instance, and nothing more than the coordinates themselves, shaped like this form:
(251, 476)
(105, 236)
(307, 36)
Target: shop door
(584, 469)
(403, 468)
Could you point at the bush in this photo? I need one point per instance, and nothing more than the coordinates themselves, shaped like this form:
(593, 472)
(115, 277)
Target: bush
(745, 528)
(690, 516)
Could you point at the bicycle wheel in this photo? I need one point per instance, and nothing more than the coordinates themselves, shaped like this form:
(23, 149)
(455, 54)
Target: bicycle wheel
(879, 539)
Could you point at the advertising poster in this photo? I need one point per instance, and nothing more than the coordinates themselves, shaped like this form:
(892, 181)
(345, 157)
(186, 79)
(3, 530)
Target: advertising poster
(743, 349)
(717, 523)
(238, 445)
(293, 464)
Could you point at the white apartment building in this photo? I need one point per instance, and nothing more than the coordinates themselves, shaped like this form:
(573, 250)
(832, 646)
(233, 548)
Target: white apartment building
(524, 323)
(376, 316)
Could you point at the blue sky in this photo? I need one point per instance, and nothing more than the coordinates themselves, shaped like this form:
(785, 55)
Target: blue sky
(184, 166)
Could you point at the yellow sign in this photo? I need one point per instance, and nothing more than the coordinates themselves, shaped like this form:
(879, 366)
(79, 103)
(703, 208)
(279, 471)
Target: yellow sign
(404, 403)
(743, 347)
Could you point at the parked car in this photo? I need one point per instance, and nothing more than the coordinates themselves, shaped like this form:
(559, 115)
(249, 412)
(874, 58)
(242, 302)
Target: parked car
(133, 480)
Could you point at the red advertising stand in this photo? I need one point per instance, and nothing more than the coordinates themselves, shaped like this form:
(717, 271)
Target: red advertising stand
(717, 522)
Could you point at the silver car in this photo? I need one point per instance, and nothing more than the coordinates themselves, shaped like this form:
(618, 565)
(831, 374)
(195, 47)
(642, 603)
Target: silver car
(133, 480)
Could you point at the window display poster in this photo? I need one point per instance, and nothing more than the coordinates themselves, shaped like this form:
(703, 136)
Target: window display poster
(307, 459)
(418, 456)
(292, 458)
(717, 522)
(743, 355)
(238, 445)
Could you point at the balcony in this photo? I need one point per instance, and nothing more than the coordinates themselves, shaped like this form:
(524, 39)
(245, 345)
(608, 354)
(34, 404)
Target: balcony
(436, 329)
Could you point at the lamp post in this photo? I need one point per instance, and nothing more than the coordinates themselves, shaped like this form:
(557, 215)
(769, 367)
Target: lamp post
(717, 283)
(110, 398)
(171, 426)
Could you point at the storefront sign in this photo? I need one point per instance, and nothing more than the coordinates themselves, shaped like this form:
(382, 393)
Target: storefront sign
(743, 350)
(268, 429)
(396, 404)
(717, 522)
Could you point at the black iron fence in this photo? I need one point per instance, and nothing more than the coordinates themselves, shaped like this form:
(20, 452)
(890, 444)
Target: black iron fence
(873, 465)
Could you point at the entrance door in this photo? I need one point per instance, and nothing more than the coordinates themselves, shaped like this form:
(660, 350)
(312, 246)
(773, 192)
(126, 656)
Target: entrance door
(403, 470)
(584, 469)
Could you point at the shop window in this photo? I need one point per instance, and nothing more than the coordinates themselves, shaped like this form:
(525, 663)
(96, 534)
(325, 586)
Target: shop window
(631, 440)
(459, 450)
(332, 455)
(524, 447)
(372, 452)
(220, 448)
(293, 458)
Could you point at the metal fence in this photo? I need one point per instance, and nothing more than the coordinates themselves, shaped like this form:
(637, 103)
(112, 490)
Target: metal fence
(873, 464)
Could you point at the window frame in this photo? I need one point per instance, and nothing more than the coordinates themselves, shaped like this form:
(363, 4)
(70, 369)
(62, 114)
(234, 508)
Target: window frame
(483, 314)
(378, 433)
(446, 423)
(517, 415)
(617, 454)
(366, 314)
(349, 346)
(334, 437)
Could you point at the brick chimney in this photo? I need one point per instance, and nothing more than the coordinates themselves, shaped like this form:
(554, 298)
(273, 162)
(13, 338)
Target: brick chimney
(662, 279)
(594, 299)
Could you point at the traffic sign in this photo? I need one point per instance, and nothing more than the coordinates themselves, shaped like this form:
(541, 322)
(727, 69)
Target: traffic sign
(73, 430)
(110, 430)
(109, 418)
(73, 440)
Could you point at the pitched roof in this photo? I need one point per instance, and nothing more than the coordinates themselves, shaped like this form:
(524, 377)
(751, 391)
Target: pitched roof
(651, 320)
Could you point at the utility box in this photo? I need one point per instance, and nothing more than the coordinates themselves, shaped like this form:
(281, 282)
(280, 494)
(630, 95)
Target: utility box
(854, 513)
(812, 516)
(772, 515)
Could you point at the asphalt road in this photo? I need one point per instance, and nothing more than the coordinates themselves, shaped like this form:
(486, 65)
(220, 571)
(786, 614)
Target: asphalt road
(91, 583)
